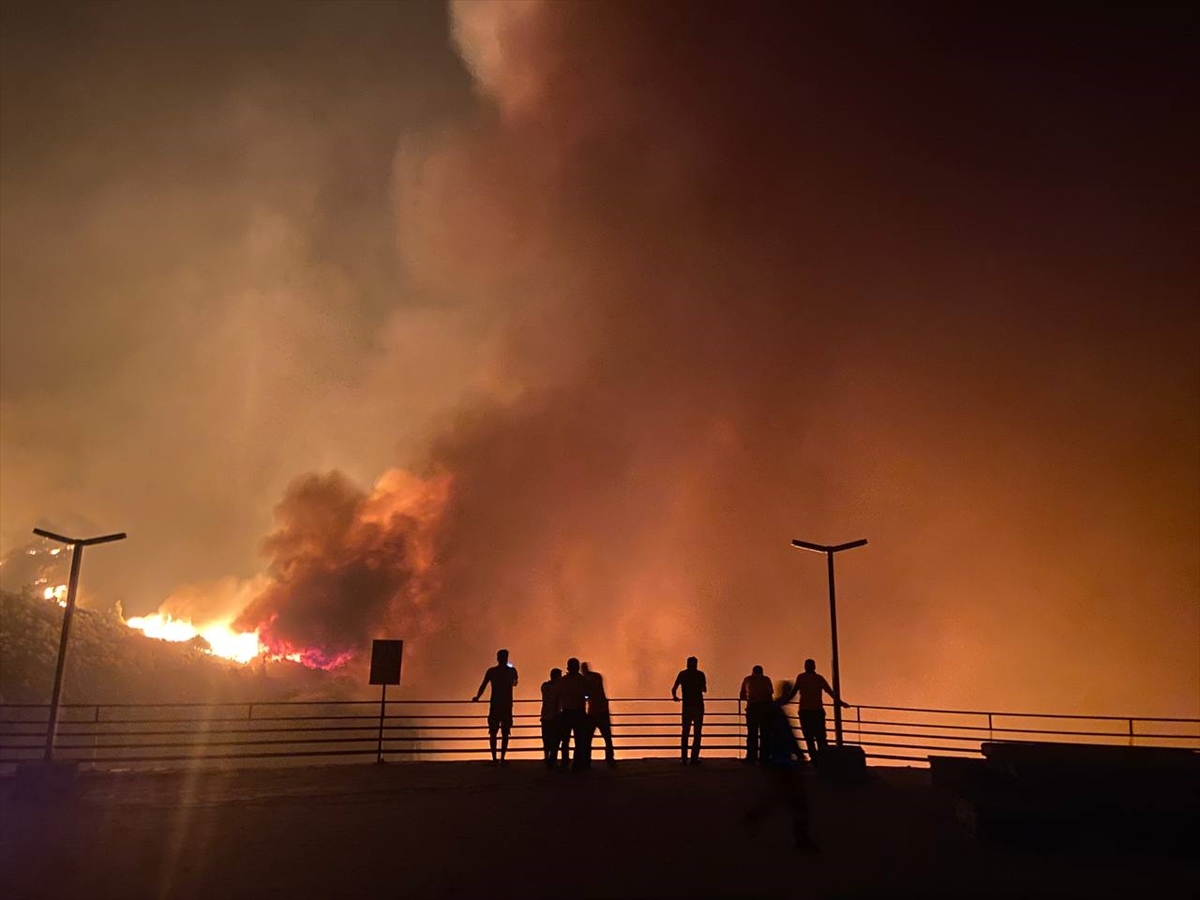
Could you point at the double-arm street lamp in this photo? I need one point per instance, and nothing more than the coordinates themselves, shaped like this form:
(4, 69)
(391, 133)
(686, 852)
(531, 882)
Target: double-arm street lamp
(77, 545)
(837, 679)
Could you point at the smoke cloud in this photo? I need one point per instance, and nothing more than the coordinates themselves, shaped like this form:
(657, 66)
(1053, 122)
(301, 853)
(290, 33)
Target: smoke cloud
(657, 289)
(345, 565)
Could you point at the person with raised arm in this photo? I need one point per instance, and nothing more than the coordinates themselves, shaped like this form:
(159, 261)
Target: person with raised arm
(503, 678)
(812, 687)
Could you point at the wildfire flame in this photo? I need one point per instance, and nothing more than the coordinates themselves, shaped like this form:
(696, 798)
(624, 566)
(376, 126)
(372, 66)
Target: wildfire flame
(222, 640)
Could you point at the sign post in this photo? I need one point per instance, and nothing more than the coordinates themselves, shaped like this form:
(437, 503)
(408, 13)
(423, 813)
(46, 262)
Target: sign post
(386, 657)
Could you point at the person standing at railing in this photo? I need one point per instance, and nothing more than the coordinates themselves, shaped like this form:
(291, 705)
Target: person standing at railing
(694, 685)
(812, 687)
(503, 678)
(597, 711)
(757, 693)
(572, 700)
(554, 735)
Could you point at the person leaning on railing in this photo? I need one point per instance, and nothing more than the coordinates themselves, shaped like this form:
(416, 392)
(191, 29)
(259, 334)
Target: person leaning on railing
(694, 685)
(598, 715)
(572, 700)
(757, 693)
(812, 687)
(503, 678)
(554, 735)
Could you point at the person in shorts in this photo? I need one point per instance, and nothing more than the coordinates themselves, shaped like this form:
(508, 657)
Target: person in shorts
(503, 678)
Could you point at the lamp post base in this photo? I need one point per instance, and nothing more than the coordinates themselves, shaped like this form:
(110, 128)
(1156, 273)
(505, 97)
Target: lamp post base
(847, 763)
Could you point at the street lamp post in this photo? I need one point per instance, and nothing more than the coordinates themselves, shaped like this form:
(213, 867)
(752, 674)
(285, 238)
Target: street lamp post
(77, 545)
(837, 677)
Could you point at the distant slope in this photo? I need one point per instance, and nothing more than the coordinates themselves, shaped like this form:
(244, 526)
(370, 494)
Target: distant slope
(109, 662)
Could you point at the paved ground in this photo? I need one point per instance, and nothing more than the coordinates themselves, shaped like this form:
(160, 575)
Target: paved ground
(649, 828)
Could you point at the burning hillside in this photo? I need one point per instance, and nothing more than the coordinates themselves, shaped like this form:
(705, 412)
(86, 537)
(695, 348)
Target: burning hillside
(110, 662)
(343, 565)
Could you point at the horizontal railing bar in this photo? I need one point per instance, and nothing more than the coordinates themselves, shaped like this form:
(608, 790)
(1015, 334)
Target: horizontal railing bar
(1023, 715)
(372, 727)
(1120, 733)
(671, 736)
(532, 753)
(267, 704)
(295, 737)
(617, 741)
(465, 701)
(371, 722)
(1123, 735)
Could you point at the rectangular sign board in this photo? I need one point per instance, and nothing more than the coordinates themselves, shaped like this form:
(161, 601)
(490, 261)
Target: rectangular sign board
(385, 661)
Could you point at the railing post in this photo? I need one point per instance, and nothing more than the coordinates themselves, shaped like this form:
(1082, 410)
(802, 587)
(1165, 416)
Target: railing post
(382, 710)
(858, 724)
(249, 711)
(1131, 732)
(991, 737)
(741, 744)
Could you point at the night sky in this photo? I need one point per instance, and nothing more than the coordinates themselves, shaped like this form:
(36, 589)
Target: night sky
(548, 325)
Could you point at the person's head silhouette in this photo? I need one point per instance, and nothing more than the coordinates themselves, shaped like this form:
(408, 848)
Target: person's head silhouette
(572, 666)
(583, 667)
(810, 665)
(555, 674)
(692, 662)
(757, 670)
(502, 657)
(783, 690)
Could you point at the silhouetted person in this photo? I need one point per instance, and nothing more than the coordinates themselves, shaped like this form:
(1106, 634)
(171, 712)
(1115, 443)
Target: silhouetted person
(782, 760)
(553, 736)
(692, 683)
(756, 693)
(503, 678)
(572, 700)
(811, 687)
(597, 710)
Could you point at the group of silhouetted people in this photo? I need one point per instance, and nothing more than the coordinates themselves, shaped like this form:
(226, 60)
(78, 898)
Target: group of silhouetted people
(762, 701)
(574, 708)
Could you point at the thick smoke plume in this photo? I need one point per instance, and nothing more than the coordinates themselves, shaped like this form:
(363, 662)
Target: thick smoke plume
(346, 566)
(698, 279)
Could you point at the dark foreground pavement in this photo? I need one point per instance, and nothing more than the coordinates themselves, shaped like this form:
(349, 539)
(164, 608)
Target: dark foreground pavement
(650, 828)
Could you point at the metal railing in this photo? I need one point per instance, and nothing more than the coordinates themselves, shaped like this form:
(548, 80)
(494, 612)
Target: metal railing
(109, 735)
